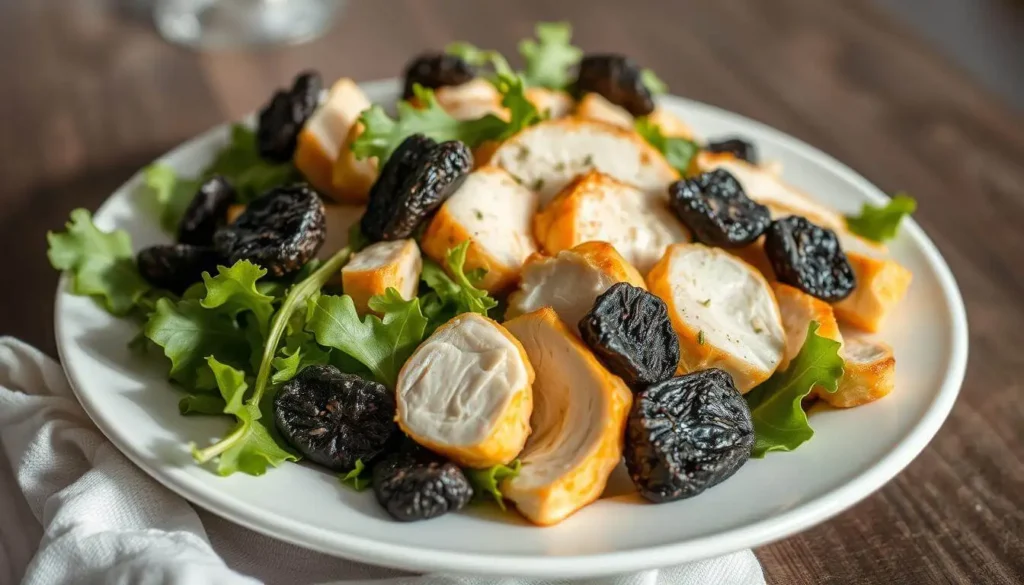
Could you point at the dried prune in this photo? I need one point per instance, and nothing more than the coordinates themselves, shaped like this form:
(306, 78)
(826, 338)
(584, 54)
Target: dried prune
(175, 267)
(717, 211)
(629, 330)
(809, 257)
(280, 231)
(736, 146)
(414, 182)
(433, 70)
(281, 120)
(207, 212)
(687, 434)
(334, 418)
(419, 486)
(616, 78)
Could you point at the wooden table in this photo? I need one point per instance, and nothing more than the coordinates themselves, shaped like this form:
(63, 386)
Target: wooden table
(89, 94)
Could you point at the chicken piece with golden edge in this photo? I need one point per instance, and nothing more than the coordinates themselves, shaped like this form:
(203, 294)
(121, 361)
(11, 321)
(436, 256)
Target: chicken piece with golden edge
(471, 100)
(550, 103)
(571, 281)
(378, 267)
(579, 419)
(326, 131)
(351, 177)
(494, 213)
(549, 155)
(597, 207)
(723, 311)
(869, 373)
(593, 106)
(466, 393)
(881, 285)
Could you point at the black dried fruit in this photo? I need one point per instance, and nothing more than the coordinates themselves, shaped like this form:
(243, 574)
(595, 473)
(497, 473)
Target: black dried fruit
(629, 330)
(333, 418)
(434, 70)
(809, 258)
(736, 146)
(281, 120)
(175, 267)
(415, 181)
(717, 211)
(420, 486)
(616, 78)
(280, 231)
(207, 212)
(687, 434)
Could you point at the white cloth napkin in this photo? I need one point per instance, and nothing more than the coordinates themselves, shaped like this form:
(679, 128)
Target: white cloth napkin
(74, 510)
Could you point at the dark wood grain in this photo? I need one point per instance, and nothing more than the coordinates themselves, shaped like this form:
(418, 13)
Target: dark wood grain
(90, 94)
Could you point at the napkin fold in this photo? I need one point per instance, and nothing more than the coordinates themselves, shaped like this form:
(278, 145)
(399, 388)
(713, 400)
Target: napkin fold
(74, 510)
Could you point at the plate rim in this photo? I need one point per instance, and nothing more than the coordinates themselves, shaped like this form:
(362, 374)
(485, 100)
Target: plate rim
(758, 533)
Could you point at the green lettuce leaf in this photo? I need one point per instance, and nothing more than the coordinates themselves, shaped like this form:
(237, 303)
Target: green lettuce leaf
(480, 58)
(679, 152)
(172, 193)
(249, 446)
(203, 403)
(101, 264)
(359, 478)
(240, 163)
(486, 482)
(780, 423)
(455, 294)
(522, 112)
(234, 290)
(880, 224)
(382, 345)
(551, 57)
(653, 83)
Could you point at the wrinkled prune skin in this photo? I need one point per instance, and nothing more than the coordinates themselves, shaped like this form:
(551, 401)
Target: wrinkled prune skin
(281, 120)
(175, 267)
(716, 209)
(207, 212)
(434, 70)
(687, 434)
(738, 147)
(629, 331)
(334, 418)
(617, 79)
(809, 258)
(419, 486)
(414, 182)
(280, 231)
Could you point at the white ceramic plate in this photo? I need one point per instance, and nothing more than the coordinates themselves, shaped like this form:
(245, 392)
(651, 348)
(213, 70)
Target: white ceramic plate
(852, 453)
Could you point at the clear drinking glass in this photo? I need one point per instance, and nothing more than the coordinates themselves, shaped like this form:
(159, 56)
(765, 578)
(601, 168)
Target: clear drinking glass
(226, 24)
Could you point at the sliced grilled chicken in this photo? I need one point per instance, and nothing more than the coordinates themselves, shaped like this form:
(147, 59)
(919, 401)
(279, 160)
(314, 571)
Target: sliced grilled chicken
(471, 100)
(494, 213)
(466, 393)
(670, 124)
(881, 285)
(551, 103)
(578, 419)
(724, 312)
(548, 155)
(594, 106)
(598, 207)
(798, 309)
(351, 177)
(380, 266)
(325, 132)
(869, 373)
(570, 281)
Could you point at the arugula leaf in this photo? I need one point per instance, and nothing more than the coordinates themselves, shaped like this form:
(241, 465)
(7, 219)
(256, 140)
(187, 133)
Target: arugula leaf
(359, 478)
(240, 163)
(201, 404)
(880, 224)
(487, 481)
(383, 135)
(780, 423)
(456, 291)
(188, 333)
(550, 58)
(101, 264)
(380, 345)
(679, 152)
(249, 447)
(173, 193)
(234, 290)
(653, 83)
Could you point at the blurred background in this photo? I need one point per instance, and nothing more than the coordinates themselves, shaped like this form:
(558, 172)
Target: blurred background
(922, 95)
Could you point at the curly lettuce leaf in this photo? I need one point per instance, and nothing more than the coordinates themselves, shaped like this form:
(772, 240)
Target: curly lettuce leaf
(679, 152)
(201, 403)
(249, 447)
(486, 482)
(382, 345)
(780, 423)
(358, 478)
(522, 112)
(172, 192)
(235, 290)
(101, 264)
(652, 82)
(880, 224)
(455, 291)
(551, 56)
